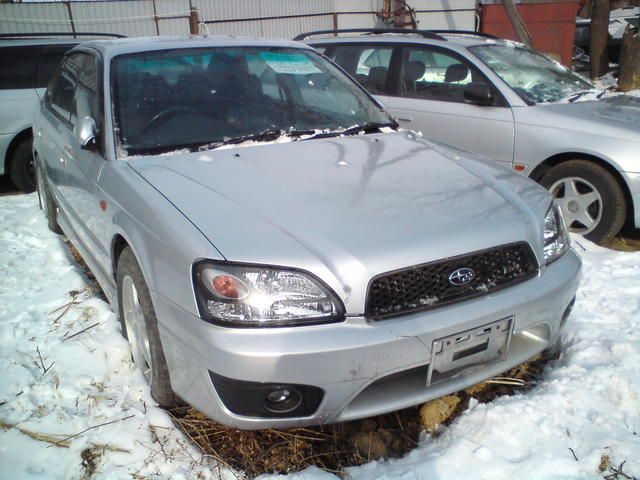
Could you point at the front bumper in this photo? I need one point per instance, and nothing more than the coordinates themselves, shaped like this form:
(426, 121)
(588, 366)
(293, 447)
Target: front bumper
(364, 367)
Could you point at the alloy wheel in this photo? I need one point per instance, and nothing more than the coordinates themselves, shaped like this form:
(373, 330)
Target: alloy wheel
(580, 202)
(136, 327)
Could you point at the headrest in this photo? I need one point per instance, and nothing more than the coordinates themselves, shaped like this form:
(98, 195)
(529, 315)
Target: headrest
(456, 73)
(414, 70)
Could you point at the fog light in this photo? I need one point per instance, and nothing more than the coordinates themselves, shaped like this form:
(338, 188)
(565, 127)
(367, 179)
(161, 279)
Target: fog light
(282, 400)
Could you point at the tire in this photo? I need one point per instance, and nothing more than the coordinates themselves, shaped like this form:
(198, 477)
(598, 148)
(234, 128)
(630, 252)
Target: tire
(45, 199)
(21, 166)
(591, 199)
(140, 328)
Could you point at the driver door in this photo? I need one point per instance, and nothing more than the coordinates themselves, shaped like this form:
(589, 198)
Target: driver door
(83, 166)
(429, 97)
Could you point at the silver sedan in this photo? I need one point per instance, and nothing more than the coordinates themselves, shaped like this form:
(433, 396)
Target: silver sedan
(499, 99)
(279, 252)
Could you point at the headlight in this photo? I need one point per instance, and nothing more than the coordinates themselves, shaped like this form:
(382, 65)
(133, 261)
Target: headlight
(262, 296)
(556, 237)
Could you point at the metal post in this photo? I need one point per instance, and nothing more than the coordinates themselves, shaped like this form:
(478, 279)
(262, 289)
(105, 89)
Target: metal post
(155, 17)
(73, 26)
(194, 21)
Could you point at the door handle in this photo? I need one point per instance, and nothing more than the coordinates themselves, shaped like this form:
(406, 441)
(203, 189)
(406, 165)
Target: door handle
(405, 119)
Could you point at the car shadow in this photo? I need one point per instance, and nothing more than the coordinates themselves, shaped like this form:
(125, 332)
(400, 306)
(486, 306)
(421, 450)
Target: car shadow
(7, 187)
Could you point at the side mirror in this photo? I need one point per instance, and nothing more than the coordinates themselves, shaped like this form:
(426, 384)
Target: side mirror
(85, 132)
(478, 93)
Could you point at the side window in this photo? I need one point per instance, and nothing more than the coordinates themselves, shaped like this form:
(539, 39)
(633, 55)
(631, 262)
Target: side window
(72, 93)
(435, 75)
(17, 67)
(50, 57)
(368, 64)
(85, 98)
(60, 93)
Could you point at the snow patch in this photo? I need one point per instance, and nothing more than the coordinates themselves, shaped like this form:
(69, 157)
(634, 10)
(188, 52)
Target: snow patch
(67, 369)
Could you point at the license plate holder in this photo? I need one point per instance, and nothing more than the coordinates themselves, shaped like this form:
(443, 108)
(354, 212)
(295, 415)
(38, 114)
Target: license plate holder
(471, 347)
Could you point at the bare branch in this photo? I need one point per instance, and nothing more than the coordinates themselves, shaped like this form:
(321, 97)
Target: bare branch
(80, 332)
(95, 426)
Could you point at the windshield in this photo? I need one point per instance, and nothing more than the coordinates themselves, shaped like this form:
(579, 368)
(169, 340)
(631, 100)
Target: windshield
(203, 98)
(534, 77)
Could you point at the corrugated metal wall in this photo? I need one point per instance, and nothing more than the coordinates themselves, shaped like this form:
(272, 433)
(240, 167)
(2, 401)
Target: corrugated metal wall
(26, 17)
(268, 18)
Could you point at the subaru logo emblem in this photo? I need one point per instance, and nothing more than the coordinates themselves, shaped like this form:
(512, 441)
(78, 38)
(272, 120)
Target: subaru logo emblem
(461, 276)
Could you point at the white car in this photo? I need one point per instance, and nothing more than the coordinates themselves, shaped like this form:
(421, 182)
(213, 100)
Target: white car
(499, 99)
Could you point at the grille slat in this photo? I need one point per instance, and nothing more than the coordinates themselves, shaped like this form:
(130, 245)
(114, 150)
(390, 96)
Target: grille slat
(427, 286)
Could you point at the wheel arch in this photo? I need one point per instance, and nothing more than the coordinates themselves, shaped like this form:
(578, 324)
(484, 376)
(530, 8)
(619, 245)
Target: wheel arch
(118, 244)
(543, 167)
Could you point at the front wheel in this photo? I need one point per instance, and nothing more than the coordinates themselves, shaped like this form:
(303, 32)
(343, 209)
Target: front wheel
(591, 199)
(140, 328)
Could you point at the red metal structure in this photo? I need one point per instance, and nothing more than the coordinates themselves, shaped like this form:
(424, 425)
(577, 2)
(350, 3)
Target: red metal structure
(552, 25)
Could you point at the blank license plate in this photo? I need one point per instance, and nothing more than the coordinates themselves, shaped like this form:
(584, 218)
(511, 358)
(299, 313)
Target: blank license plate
(471, 347)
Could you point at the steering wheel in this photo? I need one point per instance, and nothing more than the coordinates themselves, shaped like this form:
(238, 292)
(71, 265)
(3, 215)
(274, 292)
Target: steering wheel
(167, 114)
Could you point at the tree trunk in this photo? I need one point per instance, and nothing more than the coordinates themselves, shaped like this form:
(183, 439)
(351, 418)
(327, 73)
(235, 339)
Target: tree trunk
(630, 60)
(598, 35)
(516, 21)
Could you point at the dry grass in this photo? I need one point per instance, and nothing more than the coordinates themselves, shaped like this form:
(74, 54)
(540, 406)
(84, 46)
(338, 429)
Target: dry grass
(331, 447)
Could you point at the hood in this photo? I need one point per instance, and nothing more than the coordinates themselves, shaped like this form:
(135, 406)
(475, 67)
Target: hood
(616, 115)
(348, 208)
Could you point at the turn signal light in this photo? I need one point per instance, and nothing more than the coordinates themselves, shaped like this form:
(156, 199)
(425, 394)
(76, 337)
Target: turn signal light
(229, 287)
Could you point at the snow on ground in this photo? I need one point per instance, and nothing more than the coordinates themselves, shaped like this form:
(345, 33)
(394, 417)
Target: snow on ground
(89, 379)
(587, 406)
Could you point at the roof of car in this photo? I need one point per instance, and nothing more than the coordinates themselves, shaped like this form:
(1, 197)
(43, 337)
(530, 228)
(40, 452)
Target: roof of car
(463, 39)
(20, 42)
(111, 48)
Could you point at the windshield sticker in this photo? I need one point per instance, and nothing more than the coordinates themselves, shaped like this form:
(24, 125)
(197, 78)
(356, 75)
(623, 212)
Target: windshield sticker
(291, 63)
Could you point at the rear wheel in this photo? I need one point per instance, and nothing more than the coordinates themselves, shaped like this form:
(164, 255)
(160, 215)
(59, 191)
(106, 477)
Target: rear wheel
(591, 199)
(47, 204)
(21, 166)
(140, 328)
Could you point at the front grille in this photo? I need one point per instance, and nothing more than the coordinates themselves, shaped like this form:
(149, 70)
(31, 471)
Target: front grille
(427, 286)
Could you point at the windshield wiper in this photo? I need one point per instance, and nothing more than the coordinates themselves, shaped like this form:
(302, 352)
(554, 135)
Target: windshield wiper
(368, 127)
(575, 96)
(264, 136)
